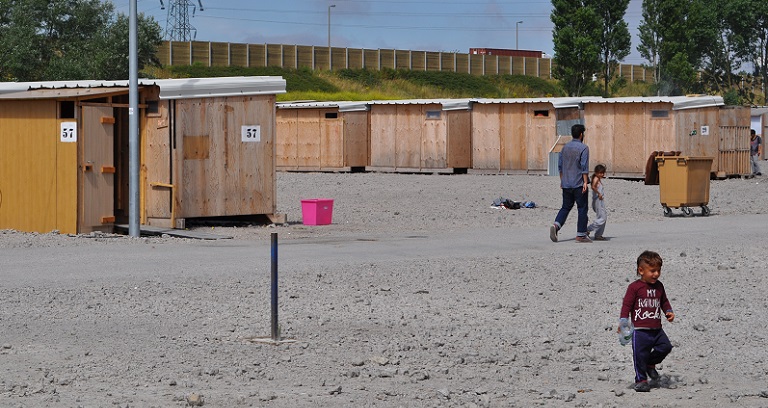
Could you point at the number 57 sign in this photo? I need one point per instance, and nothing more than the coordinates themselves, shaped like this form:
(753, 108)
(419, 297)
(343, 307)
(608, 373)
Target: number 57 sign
(68, 132)
(251, 133)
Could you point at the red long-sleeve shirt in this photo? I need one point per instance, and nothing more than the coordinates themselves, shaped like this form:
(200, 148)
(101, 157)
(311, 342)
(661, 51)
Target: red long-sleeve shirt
(645, 304)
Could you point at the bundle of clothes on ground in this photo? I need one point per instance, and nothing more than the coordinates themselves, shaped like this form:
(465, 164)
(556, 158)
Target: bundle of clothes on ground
(506, 203)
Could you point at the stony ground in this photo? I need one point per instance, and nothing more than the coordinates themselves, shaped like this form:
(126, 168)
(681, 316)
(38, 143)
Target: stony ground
(420, 294)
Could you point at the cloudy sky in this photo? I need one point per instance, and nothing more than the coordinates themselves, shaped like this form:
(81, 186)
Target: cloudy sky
(429, 25)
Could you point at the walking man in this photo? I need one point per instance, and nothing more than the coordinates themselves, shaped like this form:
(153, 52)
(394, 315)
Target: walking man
(573, 166)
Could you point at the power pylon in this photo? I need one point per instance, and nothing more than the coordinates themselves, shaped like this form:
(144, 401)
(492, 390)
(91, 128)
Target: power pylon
(177, 27)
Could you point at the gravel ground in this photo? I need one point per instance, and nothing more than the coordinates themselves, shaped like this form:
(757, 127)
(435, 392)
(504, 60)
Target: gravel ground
(420, 294)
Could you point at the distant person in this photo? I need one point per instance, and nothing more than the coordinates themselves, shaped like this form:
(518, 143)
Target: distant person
(756, 152)
(598, 203)
(573, 165)
(644, 305)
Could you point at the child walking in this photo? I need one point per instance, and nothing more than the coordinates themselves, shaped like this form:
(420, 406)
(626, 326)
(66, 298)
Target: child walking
(644, 304)
(598, 203)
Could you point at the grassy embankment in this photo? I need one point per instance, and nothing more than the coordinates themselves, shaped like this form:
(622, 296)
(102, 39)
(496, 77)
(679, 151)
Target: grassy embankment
(362, 85)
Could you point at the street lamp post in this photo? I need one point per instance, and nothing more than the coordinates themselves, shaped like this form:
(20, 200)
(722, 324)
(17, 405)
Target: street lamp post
(329, 25)
(517, 25)
(330, 54)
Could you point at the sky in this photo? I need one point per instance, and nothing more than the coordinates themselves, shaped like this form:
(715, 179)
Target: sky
(419, 25)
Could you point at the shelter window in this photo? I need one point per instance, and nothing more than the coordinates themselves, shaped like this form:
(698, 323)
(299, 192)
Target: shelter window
(541, 113)
(433, 114)
(66, 109)
(153, 108)
(331, 115)
(659, 114)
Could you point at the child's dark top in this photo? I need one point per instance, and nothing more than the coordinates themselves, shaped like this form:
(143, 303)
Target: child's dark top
(645, 304)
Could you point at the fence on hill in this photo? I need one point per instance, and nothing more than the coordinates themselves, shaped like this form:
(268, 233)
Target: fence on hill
(325, 58)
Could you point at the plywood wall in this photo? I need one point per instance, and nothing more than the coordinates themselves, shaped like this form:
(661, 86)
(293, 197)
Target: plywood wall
(628, 144)
(38, 173)
(408, 131)
(419, 137)
(486, 136)
(287, 139)
(733, 157)
(624, 135)
(331, 139)
(690, 135)
(356, 138)
(659, 131)
(599, 135)
(158, 160)
(513, 137)
(541, 134)
(434, 138)
(232, 177)
(311, 139)
(383, 131)
(97, 190)
(459, 131)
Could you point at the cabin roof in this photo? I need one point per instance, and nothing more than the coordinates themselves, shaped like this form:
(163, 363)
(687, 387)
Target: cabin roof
(342, 106)
(169, 88)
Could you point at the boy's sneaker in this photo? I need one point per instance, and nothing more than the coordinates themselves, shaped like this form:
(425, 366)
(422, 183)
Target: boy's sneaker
(584, 240)
(652, 373)
(642, 386)
(553, 233)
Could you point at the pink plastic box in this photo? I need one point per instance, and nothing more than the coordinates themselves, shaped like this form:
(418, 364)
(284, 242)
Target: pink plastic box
(317, 211)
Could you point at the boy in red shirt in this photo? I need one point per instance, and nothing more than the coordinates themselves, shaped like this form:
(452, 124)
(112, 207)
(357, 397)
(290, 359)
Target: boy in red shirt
(645, 303)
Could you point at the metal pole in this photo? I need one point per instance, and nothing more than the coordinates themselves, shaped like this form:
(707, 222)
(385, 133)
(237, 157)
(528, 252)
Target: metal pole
(329, 26)
(517, 25)
(275, 331)
(330, 53)
(133, 125)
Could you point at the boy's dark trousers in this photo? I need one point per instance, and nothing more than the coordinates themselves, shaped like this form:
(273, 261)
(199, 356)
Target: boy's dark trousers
(649, 347)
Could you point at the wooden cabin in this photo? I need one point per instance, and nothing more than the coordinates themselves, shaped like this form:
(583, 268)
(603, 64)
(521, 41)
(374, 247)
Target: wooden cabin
(623, 132)
(420, 135)
(206, 147)
(322, 136)
(518, 135)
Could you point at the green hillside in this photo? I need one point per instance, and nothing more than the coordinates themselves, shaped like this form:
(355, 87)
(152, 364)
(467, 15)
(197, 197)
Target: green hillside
(361, 85)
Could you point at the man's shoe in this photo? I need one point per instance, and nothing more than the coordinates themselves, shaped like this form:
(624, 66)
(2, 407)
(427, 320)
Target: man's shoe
(642, 386)
(652, 373)
(553, 233)
(759, 174)
(584, 240)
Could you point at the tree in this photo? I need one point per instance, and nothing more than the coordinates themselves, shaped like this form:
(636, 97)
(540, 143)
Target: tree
(650, 40)
(576, 34)
(615, 40)
(69, 40)
(749, 21)
(676, 33)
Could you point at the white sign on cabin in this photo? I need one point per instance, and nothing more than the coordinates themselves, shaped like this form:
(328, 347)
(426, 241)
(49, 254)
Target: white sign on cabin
(705, 130)
(251, 133)
(68, 132)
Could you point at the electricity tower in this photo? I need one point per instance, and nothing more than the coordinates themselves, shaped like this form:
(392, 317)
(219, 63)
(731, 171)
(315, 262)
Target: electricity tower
(177, 27)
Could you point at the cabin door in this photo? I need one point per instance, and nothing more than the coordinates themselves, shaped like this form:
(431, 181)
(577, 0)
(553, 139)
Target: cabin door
(98, 169)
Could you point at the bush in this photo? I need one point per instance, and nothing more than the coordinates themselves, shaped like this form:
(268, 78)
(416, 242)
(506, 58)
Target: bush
(537, 86)
(362, 76)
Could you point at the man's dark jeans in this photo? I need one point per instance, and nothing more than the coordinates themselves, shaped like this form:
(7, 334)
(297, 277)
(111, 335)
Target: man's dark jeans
(573, 196)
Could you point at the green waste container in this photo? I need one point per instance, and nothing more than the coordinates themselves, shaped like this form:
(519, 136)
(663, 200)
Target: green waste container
(684, 183)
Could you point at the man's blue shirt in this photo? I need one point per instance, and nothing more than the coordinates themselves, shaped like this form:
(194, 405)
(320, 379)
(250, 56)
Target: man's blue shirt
(573, 163)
